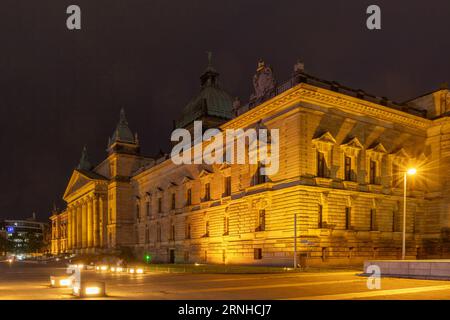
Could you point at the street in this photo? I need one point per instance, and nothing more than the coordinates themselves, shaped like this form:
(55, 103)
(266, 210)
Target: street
(28, 281)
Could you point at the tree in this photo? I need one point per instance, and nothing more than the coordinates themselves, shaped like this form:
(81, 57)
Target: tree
(34, 244)
(5, 245)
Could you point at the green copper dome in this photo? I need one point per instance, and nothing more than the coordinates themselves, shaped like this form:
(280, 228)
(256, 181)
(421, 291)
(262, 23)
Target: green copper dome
(211, 101)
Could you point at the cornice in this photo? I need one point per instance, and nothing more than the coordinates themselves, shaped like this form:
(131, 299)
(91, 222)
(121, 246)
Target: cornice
(326, 98)
(308, 93)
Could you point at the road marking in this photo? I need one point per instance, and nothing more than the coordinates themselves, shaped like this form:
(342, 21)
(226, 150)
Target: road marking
(374, 293)
(286, 285)
(246, 278)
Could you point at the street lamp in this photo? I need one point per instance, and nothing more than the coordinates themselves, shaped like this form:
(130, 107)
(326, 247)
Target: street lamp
(411, 172)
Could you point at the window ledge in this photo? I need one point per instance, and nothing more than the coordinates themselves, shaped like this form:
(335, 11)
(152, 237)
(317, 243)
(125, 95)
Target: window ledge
(259, 187)
(350, 184)
(323, 181)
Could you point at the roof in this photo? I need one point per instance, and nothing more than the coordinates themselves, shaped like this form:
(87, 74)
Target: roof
(302, 77)
(122, 132)
(84, 161)
(212, 100)
(91, 174)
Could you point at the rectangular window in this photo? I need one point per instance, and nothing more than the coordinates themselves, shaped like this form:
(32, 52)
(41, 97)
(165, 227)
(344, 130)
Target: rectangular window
(189, 197)
(321, 165)
(394, 221)
(172, 232)
(348, 217)
(147, 208)
(373, 219)
(373, 172)
(320, 218)
(348, 168)
(257, 254)
(227, 186)
(259, 178)
(159, 205)
(225, 225)
(173, 205)
(147, 235)
(324, 254)
(188, 231)
(207, 229)
(396, 175)
(158, 232)
(207, 191)
(261, 220)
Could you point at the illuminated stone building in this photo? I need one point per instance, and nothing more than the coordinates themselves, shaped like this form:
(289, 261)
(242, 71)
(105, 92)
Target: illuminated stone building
(342, 157)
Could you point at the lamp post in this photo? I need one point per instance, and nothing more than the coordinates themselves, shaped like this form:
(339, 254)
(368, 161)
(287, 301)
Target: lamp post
(411, 172)
(295, 241)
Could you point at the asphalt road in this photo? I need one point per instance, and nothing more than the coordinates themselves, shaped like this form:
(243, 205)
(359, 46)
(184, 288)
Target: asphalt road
(27, 281)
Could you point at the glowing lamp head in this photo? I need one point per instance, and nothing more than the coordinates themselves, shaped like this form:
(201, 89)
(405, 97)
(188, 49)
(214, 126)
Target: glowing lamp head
(140, 270)
(411, 171)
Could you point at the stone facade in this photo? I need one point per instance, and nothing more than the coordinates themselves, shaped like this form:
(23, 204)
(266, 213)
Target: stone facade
(342, 157)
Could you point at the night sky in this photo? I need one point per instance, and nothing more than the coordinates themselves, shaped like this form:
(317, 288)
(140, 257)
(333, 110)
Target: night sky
(61, 89)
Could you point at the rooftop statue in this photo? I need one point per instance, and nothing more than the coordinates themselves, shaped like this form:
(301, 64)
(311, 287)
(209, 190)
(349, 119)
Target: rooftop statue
(263, 81)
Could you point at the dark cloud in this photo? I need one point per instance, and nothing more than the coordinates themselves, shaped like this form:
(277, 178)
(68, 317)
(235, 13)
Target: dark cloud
(61, 89)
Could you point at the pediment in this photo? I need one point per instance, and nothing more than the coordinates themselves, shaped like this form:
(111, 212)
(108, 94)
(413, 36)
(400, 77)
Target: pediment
(327, 138)
(204, 173)
(353, 143)
(224, 166)
(400, 154)
(379, 148)
(186, 180)
(77, 181)
(171, 185)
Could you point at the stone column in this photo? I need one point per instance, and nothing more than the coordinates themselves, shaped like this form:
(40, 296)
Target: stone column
(71, 226)
(78, 226)
(96, 220)
(74, 227)
(84, 225)
(67, 232)
(101, 208)
(90, 223)
(106, 222)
